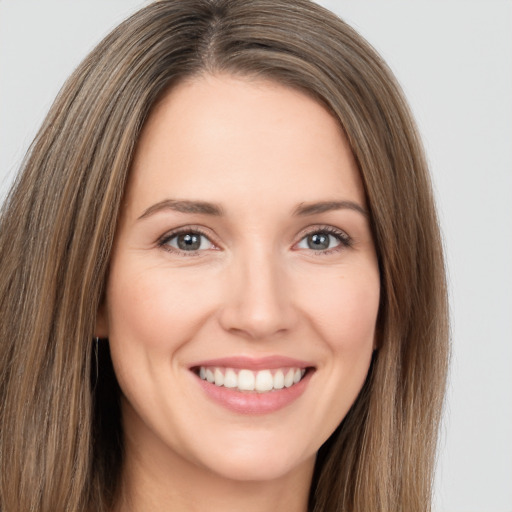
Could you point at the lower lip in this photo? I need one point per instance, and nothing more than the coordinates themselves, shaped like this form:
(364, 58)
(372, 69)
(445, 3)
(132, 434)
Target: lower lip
(252, 402)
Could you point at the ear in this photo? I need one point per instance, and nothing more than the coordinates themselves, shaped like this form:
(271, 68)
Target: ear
(376, 338)
(101, 329)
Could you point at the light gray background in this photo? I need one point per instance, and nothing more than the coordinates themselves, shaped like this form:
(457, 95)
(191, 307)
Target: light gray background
(454, 60)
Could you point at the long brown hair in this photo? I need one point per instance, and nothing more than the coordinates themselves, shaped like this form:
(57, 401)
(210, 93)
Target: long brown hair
(60, 435)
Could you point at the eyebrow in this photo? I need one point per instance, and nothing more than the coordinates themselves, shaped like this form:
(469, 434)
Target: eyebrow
(305, 209)
(206, 208)
(183, 206)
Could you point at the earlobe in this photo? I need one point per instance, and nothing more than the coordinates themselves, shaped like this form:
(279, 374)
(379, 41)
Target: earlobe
(101, 328)
(376, 337)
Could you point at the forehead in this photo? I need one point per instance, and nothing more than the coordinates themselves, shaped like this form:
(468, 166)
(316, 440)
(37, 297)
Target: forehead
(254, 136)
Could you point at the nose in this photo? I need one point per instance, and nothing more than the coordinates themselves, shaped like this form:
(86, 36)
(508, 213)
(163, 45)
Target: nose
(258, 298)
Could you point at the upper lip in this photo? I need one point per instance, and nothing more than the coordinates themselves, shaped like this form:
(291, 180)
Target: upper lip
(254, 363)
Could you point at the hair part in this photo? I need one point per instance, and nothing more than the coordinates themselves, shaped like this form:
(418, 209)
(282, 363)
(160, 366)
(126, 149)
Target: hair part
(60, 432)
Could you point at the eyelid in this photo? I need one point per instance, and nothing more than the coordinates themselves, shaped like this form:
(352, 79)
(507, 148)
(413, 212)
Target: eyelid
(164, 239)
(346, 240)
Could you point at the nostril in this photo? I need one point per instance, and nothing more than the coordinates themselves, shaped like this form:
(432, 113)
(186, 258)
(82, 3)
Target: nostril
(256, 324)
(257, 304)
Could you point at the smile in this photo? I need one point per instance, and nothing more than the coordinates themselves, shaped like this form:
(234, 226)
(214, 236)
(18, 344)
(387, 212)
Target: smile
(253, 386)
(261, 381)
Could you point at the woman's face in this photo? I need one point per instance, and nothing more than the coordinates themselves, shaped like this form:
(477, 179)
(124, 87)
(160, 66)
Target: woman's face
(244, 286)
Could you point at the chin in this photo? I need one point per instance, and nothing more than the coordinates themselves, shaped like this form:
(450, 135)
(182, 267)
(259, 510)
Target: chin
(259, 464)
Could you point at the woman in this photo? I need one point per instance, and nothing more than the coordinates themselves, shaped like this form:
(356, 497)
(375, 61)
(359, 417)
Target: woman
(232, 197)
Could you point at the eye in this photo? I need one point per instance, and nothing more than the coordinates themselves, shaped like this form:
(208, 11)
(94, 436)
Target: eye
(187, 241)
(324, 240)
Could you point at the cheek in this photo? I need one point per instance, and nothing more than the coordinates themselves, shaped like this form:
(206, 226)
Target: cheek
(152, 314)
(344, 309)
(153, 309)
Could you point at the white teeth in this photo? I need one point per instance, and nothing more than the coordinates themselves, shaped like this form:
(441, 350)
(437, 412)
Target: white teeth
(264, 381)
(219, 377)
(279, 380)
(246, 380)
(230, 378)
(288, 378)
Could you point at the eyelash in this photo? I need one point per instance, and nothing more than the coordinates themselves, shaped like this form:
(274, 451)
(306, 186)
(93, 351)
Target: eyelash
(165, 239)
(344, 239)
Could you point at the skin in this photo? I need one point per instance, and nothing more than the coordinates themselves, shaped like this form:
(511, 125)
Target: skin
(259, 151)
